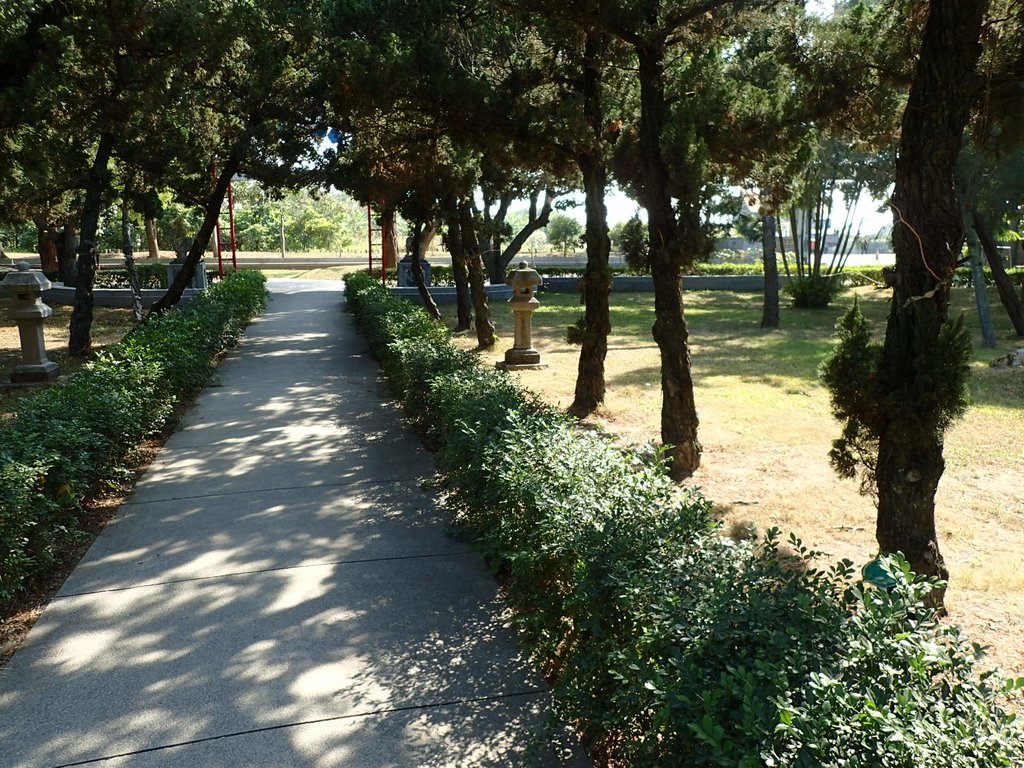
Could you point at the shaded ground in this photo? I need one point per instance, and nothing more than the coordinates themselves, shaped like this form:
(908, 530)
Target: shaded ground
(109, 325)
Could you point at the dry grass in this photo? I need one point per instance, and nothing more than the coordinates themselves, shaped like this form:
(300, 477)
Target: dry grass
(766, 429)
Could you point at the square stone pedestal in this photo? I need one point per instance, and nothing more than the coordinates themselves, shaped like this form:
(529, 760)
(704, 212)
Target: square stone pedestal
(44, 373)
(521, 360)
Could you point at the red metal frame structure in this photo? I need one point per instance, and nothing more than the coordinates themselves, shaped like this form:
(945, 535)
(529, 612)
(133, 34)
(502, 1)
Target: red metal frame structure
(216, 229)
(369, 245)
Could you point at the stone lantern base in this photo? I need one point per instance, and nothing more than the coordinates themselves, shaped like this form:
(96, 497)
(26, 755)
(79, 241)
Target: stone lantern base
(42, 373)
(521, 359)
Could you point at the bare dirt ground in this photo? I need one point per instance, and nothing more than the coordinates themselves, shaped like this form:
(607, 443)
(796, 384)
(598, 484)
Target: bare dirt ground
(766, 433)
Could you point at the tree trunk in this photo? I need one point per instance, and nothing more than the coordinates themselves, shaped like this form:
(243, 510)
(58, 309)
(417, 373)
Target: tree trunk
(453, 240)
(80, 330)
(426, 237)
(595, 286)
(129, 262)
(770, 314)
(388, 237)
(928, 234)
(597, 282)
(667, 244)
(47, 247)
(494, 224)
(988, 334)
(471, 253)
(536, 221)
(1011, 301)
(210, 217)
(67, 254)
(151, 241)
(429, 305)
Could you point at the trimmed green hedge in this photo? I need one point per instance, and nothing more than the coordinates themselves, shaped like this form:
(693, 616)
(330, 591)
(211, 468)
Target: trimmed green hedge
(668, 643)
(153, 276)
(65, 440)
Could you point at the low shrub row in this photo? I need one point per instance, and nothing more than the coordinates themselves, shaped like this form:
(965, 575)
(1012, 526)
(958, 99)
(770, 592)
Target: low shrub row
(699, 268)
(64, 441)
(150, 276)
(666, 642)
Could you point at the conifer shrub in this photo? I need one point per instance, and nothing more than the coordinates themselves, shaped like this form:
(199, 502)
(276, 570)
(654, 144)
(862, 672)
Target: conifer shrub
(867, 399)
(666, 642)
(814, 291)
(64, 441)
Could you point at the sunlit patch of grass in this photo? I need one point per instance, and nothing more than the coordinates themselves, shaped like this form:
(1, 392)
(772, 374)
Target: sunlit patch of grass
(730, 349)
(998, 577)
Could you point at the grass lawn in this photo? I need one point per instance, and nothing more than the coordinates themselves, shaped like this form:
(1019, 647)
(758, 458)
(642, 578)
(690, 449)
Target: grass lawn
(766, 428)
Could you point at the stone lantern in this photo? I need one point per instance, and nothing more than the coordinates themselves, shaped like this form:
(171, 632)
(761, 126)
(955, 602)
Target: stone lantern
(28, 311)
(198, 281)
(524, 282)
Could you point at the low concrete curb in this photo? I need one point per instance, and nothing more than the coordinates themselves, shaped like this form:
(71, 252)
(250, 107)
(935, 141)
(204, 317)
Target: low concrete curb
(645, 283)
(110, 297)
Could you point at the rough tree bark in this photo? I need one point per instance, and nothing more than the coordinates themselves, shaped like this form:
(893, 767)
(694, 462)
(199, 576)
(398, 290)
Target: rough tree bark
(453, 240)
(418, 247)
(66, 242)
(669, 240)
(928, 235)
(770, 313)
(988, 334)
(475, 267)
(151, 240)
(47, 247)
(493, 224)
(597, 281)
(80, 328)
(388, 237)
(1011, 301)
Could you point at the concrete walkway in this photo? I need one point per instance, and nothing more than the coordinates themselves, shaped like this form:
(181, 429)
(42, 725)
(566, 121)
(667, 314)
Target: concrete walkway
(278, 591)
